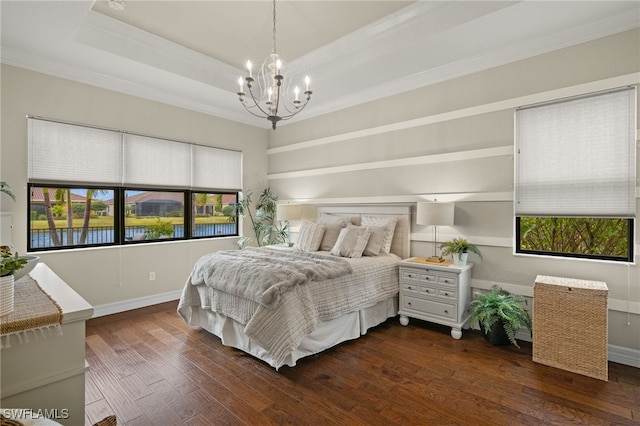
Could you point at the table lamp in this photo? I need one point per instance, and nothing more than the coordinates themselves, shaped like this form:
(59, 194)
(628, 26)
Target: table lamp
(286, 213)
(435, 214)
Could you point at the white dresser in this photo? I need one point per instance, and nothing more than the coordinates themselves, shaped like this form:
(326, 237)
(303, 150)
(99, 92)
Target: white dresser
(47, 374)
(435, 293)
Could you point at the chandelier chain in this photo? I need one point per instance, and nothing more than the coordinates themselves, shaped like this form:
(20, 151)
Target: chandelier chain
(274, 26)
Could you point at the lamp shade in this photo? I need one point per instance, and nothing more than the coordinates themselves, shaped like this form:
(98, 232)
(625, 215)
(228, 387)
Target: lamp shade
(436, 214)
(288, 211)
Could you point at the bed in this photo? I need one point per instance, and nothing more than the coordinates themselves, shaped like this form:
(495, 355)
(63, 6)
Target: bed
(334, 296)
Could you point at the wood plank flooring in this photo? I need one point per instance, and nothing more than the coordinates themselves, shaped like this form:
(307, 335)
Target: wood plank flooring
(149, 368)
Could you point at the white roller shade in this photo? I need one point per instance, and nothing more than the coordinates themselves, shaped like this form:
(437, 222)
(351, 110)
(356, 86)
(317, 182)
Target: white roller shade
(216, 168)
(66, 153)
(156, 162)
(74, 154)
(577, 157)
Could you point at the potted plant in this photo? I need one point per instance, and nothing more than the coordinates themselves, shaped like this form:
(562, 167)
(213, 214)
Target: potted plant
(264, 223)
(10, 264)
(459, 248)
(500, 315)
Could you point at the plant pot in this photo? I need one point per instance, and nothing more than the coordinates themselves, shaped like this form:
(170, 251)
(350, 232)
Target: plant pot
(7, 286)
(460, 258)
(496, 336)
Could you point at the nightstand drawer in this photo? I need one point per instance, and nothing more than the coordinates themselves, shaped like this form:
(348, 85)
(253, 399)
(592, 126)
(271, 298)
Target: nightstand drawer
(448, 294)
(429, 307)
(429, 291)
(416, 275)
(413, 287)
(448, 280)
(410, 274)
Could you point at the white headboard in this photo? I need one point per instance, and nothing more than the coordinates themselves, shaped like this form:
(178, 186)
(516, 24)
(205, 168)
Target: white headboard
(402, 235)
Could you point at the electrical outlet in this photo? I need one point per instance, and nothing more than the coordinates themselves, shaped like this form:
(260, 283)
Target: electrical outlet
(152, 276)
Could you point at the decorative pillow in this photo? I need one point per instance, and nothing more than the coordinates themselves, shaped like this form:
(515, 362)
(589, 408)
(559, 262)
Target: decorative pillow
(374, 245)
(332, 226)
(309, 237)
(389, 223)
(351, 242)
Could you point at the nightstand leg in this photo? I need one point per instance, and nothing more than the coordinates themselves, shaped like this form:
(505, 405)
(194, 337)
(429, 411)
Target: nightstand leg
(456, 333)
(404, 320)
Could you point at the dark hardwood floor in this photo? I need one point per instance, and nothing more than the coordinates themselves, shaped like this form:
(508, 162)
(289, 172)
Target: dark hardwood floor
(149, 368)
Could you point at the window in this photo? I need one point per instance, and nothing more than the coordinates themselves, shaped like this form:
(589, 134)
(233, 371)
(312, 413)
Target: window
(575, 176)
(599, 238)
(94, 187)
(214, 214)
(153, 215)
(67, 217)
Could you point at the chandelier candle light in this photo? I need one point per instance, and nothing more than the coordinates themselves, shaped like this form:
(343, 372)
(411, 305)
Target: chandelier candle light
(268, 98)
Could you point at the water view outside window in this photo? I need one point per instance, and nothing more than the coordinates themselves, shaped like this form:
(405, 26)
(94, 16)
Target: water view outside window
(73, 217)
(70, 217)
(213, 214)
(153, 215)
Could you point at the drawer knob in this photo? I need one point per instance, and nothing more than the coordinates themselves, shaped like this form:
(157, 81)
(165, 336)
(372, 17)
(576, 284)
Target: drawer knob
(446, 294)
(446, 312)
(409, 303)
(409, 287)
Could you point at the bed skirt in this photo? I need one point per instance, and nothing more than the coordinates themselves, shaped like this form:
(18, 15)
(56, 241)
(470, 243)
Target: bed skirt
(327, 333)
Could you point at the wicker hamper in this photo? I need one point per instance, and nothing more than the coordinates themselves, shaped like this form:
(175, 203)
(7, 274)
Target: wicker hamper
(570, 325)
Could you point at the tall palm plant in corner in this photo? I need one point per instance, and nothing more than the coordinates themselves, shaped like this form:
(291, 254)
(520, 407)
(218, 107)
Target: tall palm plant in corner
(264, 223)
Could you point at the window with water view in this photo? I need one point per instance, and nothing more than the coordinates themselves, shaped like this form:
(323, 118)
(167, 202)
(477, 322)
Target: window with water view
(73, 217)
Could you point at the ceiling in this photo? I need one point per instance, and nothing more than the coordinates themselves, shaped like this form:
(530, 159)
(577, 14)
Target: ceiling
(191, 53)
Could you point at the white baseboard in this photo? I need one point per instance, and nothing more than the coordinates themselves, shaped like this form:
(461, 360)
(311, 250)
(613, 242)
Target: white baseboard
(624, 356)
(139, 302)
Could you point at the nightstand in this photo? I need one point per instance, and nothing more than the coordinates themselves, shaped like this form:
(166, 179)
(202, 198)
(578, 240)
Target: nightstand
(435, 293)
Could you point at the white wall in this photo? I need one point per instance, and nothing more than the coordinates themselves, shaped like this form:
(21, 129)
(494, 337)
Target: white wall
(111, 277)
(453, 141)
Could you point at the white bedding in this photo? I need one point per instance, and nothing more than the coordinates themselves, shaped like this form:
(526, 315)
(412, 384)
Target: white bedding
(307, 323)
(281, 330)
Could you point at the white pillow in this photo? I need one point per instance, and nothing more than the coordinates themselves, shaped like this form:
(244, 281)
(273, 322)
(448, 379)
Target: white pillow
(389, 223)
(376, 239)
(332, 226)
(351, 242)
(309, 236)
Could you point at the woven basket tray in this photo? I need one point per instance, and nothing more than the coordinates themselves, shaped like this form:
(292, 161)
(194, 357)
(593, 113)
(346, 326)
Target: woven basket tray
(570, 325)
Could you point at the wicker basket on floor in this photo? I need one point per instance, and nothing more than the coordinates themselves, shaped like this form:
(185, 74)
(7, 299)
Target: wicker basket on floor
(570, 321)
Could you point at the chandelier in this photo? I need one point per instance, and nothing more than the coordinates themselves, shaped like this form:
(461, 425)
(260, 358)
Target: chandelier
(268, 94)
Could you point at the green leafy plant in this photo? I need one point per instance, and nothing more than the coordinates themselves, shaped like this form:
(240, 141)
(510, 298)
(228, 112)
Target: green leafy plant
(487, 308)
(459, 246)
(265, 227)
(158, 229)
(11, 263)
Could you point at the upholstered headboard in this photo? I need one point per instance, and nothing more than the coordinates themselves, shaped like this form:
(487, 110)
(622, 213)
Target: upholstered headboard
(401, 237)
